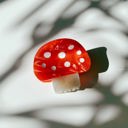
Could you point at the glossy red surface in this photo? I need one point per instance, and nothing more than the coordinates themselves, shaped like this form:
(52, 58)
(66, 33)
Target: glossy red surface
(60, 57)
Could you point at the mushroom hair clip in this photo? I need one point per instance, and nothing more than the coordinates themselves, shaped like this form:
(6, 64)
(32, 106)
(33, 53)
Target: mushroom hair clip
(61, 62)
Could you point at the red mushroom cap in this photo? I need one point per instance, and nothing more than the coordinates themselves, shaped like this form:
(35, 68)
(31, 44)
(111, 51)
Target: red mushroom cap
(59, 58)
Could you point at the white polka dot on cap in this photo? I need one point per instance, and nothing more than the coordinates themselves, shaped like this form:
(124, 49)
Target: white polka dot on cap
(53, 68)
(67, 64)
(78, 52)
(70, 47)
(82, 60)
(62, 55)
(47, 54)
(43, 65)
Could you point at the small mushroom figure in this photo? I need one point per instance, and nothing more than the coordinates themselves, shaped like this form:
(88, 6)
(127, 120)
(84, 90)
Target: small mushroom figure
(61, 61)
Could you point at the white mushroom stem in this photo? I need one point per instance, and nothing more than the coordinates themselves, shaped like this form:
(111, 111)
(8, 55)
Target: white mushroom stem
(68, 83)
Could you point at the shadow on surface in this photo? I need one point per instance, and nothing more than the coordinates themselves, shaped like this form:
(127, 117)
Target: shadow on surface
(2, 1)
(99, 63)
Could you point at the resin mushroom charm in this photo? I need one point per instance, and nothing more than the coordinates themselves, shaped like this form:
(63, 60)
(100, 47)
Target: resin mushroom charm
(60, 62)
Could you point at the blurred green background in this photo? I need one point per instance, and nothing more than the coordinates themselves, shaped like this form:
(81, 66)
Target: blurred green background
(25, 102)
